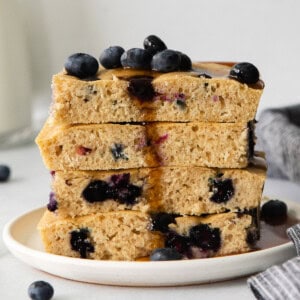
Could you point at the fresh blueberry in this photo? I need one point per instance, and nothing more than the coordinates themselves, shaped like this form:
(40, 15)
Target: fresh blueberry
(81, 242)
(117, 150)
(81, 65)
(274, 212)
(40, 290)
(111, 57)
(160, 254)
(96, 191)
(205, 237)
(166, 61)
(4, 173)
(245, 72)
(223, 189)
(154, 44)
(136, 58)
(142, 88)
(185, 62)
(52, 205)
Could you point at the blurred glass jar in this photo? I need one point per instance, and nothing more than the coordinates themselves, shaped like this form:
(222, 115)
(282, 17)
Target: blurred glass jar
(15, 81)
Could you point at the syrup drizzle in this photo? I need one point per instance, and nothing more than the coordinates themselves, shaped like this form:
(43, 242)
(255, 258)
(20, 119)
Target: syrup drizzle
(200, 69)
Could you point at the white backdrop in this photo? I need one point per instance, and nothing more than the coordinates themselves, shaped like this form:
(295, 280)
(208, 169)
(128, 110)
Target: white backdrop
(264, 32)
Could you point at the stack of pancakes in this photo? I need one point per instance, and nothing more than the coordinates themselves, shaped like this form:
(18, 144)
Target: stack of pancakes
(142, 160)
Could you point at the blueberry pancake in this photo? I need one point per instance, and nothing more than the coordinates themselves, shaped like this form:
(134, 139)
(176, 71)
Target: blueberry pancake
(130, 235)
(175, 190)
(119, 146)
(204, 94)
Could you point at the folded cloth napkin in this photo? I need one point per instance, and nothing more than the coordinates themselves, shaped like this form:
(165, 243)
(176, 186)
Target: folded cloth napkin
(278, 135)
(280, 282)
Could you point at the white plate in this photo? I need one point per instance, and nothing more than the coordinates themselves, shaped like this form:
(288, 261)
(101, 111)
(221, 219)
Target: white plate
(22, 239)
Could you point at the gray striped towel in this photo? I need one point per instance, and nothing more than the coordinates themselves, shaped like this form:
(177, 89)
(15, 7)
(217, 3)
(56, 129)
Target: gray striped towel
(278, 135)
(280, 282)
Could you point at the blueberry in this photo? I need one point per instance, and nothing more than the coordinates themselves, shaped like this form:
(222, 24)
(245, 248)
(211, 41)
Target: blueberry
(40, 290)
(179, 242)
(161, 221)
(118, 188)
(274, 212)
(244, 72)
(127, 194)
(205, 237)
(181, 104)
(160, 254)
(154, 44)
(111, 57)
(136, 58)
(223, 190)
(52, 205)
(117, 150)
(81, 242)
(81, 65)
(96, 191)
(180, 100)
(122, 190)
(4, 173)
(166, 61)
(142, 88)
(185, 62)
(120, 179)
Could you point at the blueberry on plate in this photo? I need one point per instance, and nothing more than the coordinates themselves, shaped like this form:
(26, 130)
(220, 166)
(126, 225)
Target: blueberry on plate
(160, 254)
(4, 173)
(274, 212)
(136, 58)
(166, 61)
(110, 58)
(244, 72)
(81, 65)
(154, 44)
(40, 290)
